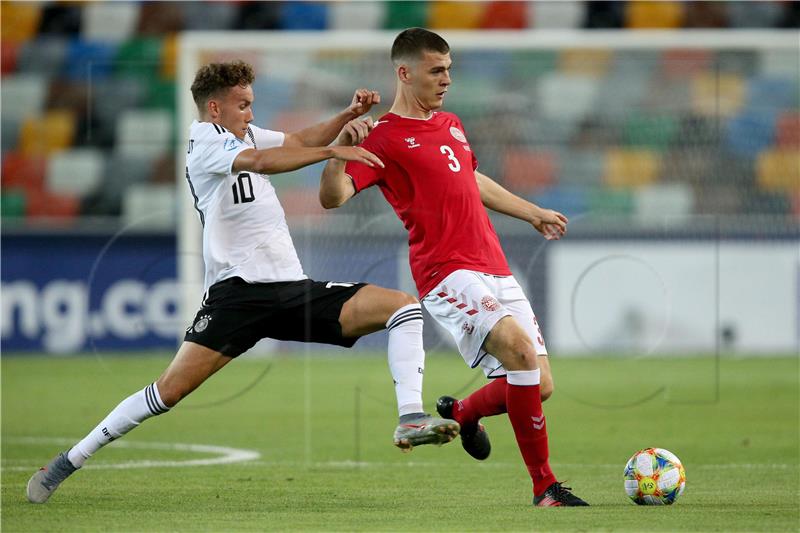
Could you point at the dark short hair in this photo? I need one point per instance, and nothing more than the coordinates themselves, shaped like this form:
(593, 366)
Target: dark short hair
(414, 42)
(215, 77)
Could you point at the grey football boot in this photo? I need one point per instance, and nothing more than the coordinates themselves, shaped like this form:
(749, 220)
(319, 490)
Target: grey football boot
(422, 428)
(47, 479)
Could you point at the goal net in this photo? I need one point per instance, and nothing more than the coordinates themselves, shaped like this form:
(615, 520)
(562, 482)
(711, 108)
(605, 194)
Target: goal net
(675, 155)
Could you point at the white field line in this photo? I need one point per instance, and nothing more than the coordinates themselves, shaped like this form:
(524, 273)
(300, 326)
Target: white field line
(228, 455)
(224, 454)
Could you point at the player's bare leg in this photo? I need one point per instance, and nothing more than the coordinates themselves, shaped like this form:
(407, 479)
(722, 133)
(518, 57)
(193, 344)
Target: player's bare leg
(374, 308)
(511, 345)
(191, 366)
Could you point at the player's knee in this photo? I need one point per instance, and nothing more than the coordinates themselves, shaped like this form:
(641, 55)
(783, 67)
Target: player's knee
(403, 299)
(520, 350)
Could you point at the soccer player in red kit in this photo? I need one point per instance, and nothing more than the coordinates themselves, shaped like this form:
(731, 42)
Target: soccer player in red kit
(463, 278)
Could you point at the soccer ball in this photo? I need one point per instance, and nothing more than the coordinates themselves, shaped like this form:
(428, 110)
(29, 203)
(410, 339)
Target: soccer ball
(654, 476)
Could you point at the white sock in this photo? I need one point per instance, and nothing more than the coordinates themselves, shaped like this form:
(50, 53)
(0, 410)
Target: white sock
(407, 357)
(524, 377)
(131, 412)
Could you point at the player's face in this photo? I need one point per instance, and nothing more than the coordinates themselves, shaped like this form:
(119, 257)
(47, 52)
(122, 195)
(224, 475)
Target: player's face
(431, 79)
(235, 110)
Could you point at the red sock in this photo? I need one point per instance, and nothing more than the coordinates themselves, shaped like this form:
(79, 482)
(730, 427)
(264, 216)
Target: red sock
(525, 412)
(489, 400)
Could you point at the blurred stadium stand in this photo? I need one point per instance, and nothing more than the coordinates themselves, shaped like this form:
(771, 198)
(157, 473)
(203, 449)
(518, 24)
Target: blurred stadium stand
(88, 105)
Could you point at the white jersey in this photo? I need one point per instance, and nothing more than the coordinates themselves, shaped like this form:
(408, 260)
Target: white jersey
(244, 226)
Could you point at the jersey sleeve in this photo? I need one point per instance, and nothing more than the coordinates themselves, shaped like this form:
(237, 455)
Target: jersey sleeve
(262, 138)
(364, 176)
(217, 149)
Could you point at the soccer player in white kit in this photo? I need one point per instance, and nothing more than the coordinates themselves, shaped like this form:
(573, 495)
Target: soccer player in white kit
(254, 284)
(430, 178)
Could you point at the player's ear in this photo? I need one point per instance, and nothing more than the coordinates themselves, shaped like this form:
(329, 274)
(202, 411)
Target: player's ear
(404, 73)
(213, 108)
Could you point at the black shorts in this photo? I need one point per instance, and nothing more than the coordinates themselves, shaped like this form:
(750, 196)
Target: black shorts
(235, 314)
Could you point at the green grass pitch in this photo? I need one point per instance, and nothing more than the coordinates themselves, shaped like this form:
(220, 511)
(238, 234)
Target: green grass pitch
(323, 426)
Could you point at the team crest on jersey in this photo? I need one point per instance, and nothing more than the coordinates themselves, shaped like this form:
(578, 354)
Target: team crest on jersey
(232, 144)
(201, 325)
(490, 303)
(458, 134)
(412, 142)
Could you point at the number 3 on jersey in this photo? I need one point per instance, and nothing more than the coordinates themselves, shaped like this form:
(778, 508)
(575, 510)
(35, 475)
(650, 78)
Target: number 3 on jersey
(241, 192)
(454, 165)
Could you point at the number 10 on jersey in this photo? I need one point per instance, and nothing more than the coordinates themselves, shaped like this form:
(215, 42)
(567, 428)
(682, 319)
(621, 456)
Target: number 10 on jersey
(243, 189)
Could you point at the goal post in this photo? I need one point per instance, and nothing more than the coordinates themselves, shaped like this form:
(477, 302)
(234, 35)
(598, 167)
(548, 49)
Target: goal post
(644, 124)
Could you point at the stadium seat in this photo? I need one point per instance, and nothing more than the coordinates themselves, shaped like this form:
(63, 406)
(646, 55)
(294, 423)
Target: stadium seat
(12, 204)
(505, 15)
(716, 96)
(705, 15)
(571, 201)
(65, 94)
(787, 130)
(650, 131)
(482, 66)
(160, 94)
(610, 202)
(601, 15)
(23, 173)
(121, 171)
(566, 97)
(169, 57)
(621, 94)
(149, 206)
(145, 133)
(779, 64)
(581, 167)
(527, 171)
(750, 132)
(455, 15)
(10, 55)
(772, 93)
(139, 58)
(159, 18)
(61, 18)
(678, 62)
(44, 55)
(89, 60)
(109, 21)
(77, 172)
(20, 20)
(753, 14)
(779, 170)
(304, 16)
(347, 15)
(9, 133)
(27, 91)
(663, 204)
(49, 133)
(406, 14)
(527, 66)
(648, 15)
(593, 62)
(567, 14)
(47, 205)
(631, 167)
(223, 15)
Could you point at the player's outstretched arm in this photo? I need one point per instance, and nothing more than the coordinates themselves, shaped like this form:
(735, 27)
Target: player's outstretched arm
(324, 133)
(286, 159)
(336, 187)
(494, 196)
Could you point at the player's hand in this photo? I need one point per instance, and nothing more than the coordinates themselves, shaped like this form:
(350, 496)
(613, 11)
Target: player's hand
(363, 100)
(551, 224)
(355, 131)
(356, 153)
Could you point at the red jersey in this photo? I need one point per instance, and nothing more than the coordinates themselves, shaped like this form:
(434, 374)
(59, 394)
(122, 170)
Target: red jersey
(430, 182)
